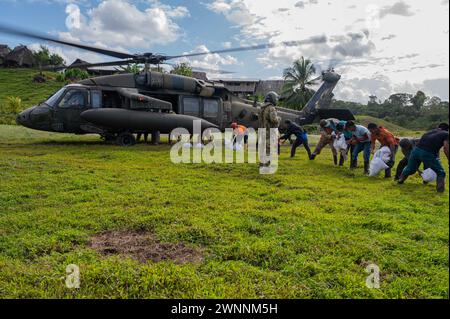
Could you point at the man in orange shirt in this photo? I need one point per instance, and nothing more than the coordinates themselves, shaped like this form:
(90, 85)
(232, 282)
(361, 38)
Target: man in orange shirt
(386, 138)
(240, 133)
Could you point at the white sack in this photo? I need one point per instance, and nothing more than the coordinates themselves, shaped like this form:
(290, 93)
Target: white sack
(379, 161)
(429, 175)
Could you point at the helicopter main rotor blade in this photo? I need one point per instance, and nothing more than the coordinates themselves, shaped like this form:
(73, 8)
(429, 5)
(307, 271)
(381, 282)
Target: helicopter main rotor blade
(194, 68)
(93, 65)
(33, 35)
(313, 40)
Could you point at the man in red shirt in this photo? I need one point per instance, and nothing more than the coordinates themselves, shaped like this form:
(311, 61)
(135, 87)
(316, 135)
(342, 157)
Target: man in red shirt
(386, 138)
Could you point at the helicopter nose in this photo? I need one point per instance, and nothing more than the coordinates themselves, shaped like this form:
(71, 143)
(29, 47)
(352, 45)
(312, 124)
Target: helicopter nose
(23, 117)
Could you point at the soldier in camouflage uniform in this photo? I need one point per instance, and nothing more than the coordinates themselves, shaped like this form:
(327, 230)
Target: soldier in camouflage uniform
(268, 120)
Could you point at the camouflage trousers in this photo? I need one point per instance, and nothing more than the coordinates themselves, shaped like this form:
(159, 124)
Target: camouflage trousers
(325, 139)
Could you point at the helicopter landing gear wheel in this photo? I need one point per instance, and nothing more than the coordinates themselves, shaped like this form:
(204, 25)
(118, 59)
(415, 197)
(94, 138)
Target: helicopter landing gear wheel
(125, 139)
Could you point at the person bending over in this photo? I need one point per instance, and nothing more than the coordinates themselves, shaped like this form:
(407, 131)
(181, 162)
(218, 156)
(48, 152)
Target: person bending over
(427, 151)
(361, 139)
(300, 134)
(386, 139)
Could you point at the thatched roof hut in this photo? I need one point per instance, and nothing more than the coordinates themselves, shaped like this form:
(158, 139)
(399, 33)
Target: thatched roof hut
(79, 61)
(21, 56)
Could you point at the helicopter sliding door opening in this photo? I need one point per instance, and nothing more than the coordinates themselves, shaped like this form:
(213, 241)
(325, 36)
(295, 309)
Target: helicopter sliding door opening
(111, 99)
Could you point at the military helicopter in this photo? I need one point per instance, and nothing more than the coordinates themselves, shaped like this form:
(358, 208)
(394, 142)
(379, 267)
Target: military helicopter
(118, 106)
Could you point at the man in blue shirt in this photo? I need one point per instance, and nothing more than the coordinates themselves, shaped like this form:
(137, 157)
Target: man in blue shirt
(301, 137)
(407, 146)
(362, 143)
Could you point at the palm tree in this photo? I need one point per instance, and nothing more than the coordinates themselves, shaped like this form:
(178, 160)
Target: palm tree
(298, 80)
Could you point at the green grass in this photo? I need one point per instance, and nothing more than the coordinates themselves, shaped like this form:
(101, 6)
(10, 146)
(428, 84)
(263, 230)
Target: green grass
(19, 82)
(306, 232)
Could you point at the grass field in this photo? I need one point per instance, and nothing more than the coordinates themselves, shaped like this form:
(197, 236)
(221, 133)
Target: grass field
(308, 231)
(19, 82)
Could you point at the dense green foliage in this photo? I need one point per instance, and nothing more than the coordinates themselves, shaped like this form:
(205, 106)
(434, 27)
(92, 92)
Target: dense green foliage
(183, 68)
(416, 112)
(308, 231)
(72, 75)
(131, 68)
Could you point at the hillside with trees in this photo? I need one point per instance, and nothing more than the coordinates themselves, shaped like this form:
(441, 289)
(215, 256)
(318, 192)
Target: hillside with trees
(413, 111)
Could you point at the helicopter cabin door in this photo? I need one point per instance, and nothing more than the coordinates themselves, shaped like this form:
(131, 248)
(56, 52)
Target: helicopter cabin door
(68, 111)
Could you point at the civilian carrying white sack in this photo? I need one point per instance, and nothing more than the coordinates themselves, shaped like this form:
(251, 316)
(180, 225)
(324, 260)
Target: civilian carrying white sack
(379, 161)
(340, 145)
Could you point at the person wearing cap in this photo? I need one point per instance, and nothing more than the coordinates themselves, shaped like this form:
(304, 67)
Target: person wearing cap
(240, 133)
(327, 127)
(300, 134)
(361, 139)
(386, 139)
(427, 152)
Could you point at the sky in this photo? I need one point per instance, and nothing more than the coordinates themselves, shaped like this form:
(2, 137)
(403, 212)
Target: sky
(379, 47)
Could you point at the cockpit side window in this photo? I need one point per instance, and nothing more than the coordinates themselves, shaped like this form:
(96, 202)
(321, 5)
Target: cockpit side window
(52, 100)
(74, 99)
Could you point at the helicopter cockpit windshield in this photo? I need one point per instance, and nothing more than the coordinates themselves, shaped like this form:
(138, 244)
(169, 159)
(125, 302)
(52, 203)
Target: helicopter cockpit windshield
(55, 98)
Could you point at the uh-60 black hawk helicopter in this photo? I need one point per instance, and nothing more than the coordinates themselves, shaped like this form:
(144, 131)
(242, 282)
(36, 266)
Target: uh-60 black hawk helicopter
(119, 106)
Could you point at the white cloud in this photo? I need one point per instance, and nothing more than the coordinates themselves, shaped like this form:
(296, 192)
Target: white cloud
(369, 42)
(118, 23)
(210, 61)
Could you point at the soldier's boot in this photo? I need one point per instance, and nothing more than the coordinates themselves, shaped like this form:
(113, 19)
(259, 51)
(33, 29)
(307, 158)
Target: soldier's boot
(440, 184)
(335, 160)
(341, 160)
(402, 179)
(388, 173)
(366, 168)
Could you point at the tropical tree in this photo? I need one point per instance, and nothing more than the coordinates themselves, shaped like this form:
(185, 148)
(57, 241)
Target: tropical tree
(56, 60)
(45, 58)
(42, 57)
(298, 79)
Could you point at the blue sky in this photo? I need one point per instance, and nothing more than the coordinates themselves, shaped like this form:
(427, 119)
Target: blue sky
(379, 48)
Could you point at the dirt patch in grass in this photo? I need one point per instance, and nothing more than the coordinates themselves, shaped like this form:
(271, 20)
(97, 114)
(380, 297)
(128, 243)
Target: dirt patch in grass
(143, 246)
